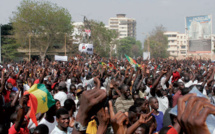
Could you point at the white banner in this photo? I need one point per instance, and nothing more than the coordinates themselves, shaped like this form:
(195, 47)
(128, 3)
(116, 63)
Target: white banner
(146, 55)
(61, 58)
(86, 48)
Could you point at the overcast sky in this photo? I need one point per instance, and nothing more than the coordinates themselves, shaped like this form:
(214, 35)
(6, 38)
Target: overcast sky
(148, 13)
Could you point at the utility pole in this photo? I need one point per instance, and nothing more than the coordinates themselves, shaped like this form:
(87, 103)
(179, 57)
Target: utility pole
(148, 43)
(187, 37)
(29, 47)
(65, 44)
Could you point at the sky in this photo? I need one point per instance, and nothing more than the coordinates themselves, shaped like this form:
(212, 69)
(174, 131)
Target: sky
(148, 13)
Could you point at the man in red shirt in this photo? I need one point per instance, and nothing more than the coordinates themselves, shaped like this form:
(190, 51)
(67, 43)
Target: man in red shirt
(20, 125)
(12, 79)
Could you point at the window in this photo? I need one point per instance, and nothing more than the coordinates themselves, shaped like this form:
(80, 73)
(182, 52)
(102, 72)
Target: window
(183, 47)
(185, 42)
(172, 41)
(173, 51)
(183, 52)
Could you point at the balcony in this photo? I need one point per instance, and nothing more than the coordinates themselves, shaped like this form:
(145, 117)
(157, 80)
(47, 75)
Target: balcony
(172, 38)
(172, 43)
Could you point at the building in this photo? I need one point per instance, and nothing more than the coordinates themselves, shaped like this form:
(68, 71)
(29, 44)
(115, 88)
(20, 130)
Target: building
(126, 27)
(177, 44)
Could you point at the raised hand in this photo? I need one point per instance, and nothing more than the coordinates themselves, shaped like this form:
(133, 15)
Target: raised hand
(144, 118)
(192, 116)
(90, 103)
(118, 121)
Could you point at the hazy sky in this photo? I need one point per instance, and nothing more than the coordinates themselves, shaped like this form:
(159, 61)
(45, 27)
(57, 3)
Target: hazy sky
(148, 13)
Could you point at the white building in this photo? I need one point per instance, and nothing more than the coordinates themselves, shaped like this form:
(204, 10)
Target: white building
(126, 27)
(177, 44)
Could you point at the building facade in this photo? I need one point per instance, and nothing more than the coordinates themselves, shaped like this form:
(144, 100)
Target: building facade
(177, 44)
(126, 27)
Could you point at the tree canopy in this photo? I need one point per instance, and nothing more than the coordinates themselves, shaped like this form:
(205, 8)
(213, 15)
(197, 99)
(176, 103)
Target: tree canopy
(158, 43)
(129, 46)
(45, 22)
(9, 45)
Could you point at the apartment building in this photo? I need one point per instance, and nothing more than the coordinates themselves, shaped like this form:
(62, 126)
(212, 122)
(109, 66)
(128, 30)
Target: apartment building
(177, 44)
(126, 27)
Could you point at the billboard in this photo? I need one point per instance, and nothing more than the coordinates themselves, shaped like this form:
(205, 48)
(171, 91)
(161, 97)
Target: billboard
(86, 48)
(199, 30)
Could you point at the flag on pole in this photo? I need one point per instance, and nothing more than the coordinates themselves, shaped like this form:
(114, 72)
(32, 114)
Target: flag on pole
(40, 100)
(132, 61)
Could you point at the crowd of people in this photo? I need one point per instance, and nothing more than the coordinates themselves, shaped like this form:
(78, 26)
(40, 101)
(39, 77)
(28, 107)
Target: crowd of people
(97, 95)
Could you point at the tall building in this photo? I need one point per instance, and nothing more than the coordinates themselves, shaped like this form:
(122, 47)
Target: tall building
(126, 27)
(177, 44)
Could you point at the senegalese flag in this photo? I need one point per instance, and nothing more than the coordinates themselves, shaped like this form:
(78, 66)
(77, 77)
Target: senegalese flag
(40, 100)
(102, 63)
(132, 61)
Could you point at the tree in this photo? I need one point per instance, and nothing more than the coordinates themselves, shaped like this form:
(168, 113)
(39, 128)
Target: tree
(44, 22)
(158, 43)
(102, 38)
(130, 47)
(8, 42)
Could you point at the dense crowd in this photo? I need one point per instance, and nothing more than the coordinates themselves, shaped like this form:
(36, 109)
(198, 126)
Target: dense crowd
(96, 95)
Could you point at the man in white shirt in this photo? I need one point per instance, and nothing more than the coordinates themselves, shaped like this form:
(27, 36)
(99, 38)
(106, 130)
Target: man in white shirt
(50, 120)
(61, 95)
(62, 122)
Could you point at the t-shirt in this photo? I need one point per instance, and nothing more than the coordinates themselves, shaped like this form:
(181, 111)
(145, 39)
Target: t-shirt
(163, 103)
(159, 120)
(89, 83)
(12, 130)
(61, 96)
(188, 84)
(7, 96)
(56, 130)
(123, 104)
(51, 126)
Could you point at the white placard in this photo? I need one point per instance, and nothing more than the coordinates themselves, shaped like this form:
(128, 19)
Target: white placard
(61, 58)
(86, 48)
(146, 55)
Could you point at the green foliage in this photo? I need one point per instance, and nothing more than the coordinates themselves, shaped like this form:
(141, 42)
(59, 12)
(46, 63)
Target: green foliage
(102, 38)
(44, 21)
(9, 51)
(158, 43)
(130, 47)
(9, 45)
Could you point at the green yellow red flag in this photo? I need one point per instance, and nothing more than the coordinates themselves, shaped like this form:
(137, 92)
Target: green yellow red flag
(40, 100)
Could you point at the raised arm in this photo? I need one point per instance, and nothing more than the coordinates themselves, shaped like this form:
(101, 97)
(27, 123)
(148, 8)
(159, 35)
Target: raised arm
(153, 89)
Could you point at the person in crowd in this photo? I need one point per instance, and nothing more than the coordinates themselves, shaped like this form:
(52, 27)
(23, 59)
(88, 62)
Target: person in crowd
(153, 102)
(61, 94)
(62, 117)
(125, 100)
